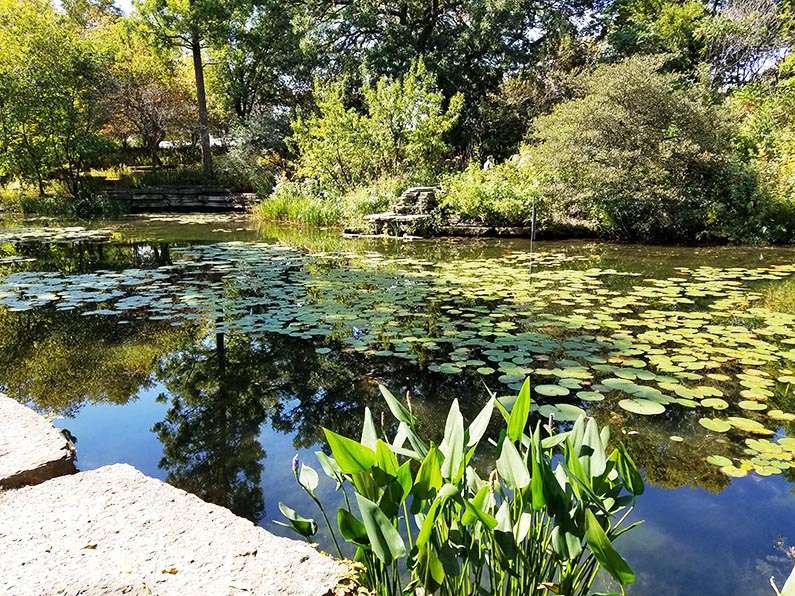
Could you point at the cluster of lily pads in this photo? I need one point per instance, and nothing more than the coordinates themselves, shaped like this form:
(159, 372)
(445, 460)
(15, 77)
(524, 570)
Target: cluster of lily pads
(698, 340)
(54, 234)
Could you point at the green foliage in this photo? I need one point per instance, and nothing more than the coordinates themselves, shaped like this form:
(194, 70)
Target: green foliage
(306, 202)
(150, 97)
(502, 195)
(764, 114)
(403, 130)
(52, 81)
(301, 202)
(469, 45)
(543, 521)
(643, 156)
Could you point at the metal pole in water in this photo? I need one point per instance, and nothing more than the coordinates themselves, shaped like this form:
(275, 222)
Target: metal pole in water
(532, 234)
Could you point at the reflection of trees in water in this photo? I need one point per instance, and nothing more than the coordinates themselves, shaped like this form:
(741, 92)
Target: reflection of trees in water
(224, 390)
(211, 432)
(60, 360)
(70, 258)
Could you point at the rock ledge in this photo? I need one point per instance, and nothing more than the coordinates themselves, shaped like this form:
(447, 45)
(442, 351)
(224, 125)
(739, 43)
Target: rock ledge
(115, 531)
(31, 449)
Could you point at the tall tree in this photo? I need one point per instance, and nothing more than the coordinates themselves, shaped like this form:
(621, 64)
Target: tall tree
(53, 81)
(193, 25)
(151, 92)
(469, 45)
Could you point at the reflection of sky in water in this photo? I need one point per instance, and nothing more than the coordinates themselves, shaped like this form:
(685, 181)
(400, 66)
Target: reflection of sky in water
(692, 541)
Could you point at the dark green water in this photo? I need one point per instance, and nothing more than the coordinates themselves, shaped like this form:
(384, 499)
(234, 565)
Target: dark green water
(207, 352)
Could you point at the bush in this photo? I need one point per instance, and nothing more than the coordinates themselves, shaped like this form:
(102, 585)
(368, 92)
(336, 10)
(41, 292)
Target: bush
(642, 155)
(765, 139)
(502, 195)
(402, 131)
(376, 197)
(58, 202)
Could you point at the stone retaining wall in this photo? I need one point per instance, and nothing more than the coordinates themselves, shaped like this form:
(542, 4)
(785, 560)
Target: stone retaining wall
(182, 199)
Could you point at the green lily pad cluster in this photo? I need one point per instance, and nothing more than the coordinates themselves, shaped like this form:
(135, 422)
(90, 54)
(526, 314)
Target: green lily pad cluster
(699, 342)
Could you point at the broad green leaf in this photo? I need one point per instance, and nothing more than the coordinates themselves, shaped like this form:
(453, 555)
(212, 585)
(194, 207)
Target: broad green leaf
(306, 527)
(403, 416)
(351, 528)
(789, 585)
(398, 410)
(308, 478)
(511, 467)
(430, 569)
(429, 476)
(452, 446)
(603, 550)
(329, 467)
(352, 457)
(385, 540)
(481, 422)
(567, 545)
(520, 412)
(595, 463)
(404, 478)
(385, 458)
(475, 511)
(522, 527)
(536, 477)
(629, 471)
(369, 435)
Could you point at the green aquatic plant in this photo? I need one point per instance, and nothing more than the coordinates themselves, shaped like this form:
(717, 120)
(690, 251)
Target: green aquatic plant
(543, 520)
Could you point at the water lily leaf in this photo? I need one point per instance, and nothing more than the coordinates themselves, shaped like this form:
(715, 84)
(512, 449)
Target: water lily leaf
(644, 407)
(719, 460)
(715, 425)
(551, 390)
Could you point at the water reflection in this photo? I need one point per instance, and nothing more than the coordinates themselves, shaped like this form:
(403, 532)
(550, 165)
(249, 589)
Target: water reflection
(226, 410)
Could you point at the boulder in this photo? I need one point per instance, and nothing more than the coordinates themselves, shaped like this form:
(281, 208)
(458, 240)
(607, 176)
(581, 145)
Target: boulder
(116, 531)
(31, 449)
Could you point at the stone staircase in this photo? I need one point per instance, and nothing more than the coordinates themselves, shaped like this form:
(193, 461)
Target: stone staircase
(411, 215)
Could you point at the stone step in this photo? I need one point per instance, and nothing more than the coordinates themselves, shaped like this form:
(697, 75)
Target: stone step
(31, 449)
(116, 531)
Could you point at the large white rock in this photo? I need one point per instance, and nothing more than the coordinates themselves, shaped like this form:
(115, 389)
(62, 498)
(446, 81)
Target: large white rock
(115, 531)
(31, 449)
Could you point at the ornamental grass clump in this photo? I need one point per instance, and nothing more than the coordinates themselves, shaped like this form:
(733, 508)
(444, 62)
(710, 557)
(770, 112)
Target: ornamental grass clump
(423, 520)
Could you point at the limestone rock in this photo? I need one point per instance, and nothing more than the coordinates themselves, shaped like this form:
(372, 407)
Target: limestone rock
(31, 449)
(115, 531)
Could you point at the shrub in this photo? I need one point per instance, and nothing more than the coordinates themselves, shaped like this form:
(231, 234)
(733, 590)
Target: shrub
(502, 195)
(402, 130)
(642, 155)
(543, 520)
(765, 138)
(376, 197)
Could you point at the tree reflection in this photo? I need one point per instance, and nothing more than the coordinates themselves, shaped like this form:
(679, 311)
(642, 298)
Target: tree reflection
(60, 360)
(210, 435)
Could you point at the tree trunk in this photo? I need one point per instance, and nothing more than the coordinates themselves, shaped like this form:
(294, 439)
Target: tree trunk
(201, 100)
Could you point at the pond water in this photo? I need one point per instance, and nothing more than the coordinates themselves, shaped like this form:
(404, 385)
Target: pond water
(207, 351)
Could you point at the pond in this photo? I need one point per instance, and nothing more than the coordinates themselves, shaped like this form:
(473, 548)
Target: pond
(207, 351)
